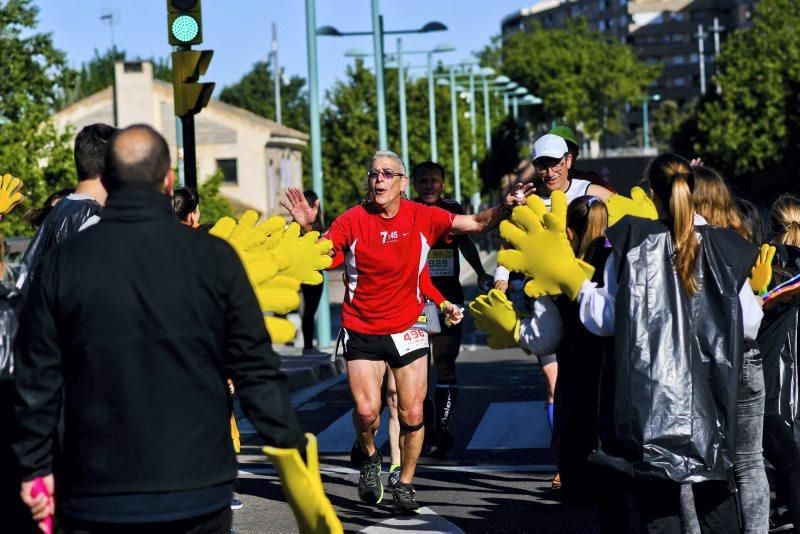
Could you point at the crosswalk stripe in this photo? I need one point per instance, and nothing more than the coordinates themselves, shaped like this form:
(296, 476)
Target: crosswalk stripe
(512, 425)
(427, 521)
(339, 435)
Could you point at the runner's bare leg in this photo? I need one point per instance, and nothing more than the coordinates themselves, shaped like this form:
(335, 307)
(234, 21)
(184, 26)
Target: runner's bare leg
(412, 387)
(365, 378)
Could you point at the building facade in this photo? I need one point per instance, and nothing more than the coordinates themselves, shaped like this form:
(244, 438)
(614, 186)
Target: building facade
(259, 158)
(660, 32)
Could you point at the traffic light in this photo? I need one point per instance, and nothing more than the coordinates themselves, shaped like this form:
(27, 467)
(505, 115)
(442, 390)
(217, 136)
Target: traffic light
(184, 22)
(189, 95)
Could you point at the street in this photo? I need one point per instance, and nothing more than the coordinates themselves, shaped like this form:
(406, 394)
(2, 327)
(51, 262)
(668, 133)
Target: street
(497, 478)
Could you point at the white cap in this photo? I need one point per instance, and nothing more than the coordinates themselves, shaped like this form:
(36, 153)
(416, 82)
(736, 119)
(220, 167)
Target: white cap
(549, 146)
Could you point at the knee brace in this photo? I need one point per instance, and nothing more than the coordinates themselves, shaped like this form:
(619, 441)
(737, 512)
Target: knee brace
(405, 427)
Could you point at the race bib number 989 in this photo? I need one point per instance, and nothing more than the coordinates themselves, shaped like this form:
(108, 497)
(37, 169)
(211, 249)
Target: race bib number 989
(410, 340)
(440, 262)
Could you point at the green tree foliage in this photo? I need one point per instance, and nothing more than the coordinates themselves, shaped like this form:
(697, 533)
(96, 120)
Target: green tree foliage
(668, 120)
(255, 92)
(350, 130)
(213, 205)
(508, 141)
(752, 130)
(33, 76)
(98, 73)
(582, 75)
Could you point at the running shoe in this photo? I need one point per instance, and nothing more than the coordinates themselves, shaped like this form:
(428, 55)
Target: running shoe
(403, 498)
(370, 488)
(236, 504)
(394, 475)
(556, 484)
(441, 444)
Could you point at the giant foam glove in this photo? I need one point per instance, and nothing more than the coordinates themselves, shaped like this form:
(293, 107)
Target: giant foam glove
(541, 250)
(761, 275)
(495, 315)
(10, 195)
(237, 442)
(303, 489)
(279, 295)
(280, 330)
(639, 205)
(307, 254)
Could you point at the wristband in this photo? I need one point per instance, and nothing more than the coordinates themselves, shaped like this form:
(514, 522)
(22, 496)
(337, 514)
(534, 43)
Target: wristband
(443, 305)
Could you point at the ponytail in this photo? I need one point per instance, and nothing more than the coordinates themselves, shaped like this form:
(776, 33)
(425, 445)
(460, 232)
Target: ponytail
(785, 220)
(672, 181)
(681, 209)
(587, 216)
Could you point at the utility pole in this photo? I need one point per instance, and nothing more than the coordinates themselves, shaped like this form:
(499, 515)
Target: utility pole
(717, 30)
(377, 39)
(276, 73)
(701, 49)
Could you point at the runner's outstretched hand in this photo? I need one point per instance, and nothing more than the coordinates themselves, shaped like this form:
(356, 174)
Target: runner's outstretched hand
(297, 206)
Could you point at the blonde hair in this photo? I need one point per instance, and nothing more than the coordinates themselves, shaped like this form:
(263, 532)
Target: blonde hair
(587, 216)
(713, 200)
(784, 217)
(672, 181)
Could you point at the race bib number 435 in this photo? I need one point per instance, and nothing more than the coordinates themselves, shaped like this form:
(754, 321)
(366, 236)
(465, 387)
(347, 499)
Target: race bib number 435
(410, 340)
(440, 262)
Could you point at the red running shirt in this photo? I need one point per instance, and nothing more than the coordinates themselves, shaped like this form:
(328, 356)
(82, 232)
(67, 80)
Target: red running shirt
(383, 260)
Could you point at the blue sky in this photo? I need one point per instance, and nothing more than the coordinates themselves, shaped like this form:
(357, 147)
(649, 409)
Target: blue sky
(239, 32)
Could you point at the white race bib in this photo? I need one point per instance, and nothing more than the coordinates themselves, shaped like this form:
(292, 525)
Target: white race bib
(440, 262)
(410, 340)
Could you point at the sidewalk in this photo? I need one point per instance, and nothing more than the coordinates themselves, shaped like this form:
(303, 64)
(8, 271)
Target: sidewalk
(304, 371)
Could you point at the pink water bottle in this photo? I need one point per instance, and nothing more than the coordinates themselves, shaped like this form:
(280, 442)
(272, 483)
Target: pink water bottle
(37, 489)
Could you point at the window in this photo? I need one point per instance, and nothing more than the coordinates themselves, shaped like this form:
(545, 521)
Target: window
(601, 25)
(679, 82)
(228, 168)
(601, 5)
(678, 16)
(677, 38)
(694, 58)
(678, 60)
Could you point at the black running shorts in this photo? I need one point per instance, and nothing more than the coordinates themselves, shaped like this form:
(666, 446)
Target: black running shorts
(398, 350)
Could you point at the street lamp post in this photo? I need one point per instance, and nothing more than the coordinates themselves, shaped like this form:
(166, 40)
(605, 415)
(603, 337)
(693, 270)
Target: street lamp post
(323, 317)
(646, 119)
(454, 114)
(378, 51)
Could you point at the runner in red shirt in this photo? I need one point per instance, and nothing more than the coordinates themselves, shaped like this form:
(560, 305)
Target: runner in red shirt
(384, 243)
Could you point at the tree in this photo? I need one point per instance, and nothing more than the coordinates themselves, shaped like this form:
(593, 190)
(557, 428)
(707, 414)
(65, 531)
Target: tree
(255, 92)
(33, 78)
(213, 205)
(752, 129)
(581, 74)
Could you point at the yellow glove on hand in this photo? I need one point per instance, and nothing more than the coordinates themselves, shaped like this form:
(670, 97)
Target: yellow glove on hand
(541, 250)
(302, 486)
(280, 330)
(639, 205)
(495, 315)
(10, 195)
(761, 275)
(306, 256)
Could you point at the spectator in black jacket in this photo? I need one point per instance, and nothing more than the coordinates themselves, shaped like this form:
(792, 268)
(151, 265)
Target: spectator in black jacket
(68, 215)
(134, 325)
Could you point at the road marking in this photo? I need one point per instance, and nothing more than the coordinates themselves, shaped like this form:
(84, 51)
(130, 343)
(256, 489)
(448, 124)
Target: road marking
(512, 425)
(427, 521)
(339, 435)
(310, 406)
(473, 469)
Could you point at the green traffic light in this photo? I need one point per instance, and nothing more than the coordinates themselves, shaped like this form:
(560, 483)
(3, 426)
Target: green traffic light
(185, 28)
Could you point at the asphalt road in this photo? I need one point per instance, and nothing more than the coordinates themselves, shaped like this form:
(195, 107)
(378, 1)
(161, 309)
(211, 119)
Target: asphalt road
(496, 480)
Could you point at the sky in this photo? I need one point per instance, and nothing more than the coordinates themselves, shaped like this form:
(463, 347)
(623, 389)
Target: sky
(240, 32)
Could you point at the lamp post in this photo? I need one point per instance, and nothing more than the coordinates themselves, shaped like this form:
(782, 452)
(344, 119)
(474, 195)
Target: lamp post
(487, 126)
(323, 317)
(454, 90)
(646, 119)
(377, 50)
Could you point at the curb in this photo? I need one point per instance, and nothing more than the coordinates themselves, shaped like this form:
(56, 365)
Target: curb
(302, 374)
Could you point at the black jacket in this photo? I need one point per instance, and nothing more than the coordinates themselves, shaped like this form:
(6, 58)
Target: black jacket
(136, 323)
(63, 221)
(9, 300)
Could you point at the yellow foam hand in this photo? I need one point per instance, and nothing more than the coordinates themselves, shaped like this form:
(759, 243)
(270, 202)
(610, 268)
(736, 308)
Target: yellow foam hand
(540, 249)
(10, 196)
(761, 275)
(237, 442)
(639, 205)
(495, 315)
(302, 486)
(307, 255)
(280, 330)
(280, 295)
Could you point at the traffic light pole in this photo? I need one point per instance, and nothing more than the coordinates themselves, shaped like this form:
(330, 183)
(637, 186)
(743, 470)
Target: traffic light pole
(189, 153)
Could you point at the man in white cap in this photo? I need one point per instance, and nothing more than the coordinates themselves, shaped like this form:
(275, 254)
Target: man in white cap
(551, 164)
